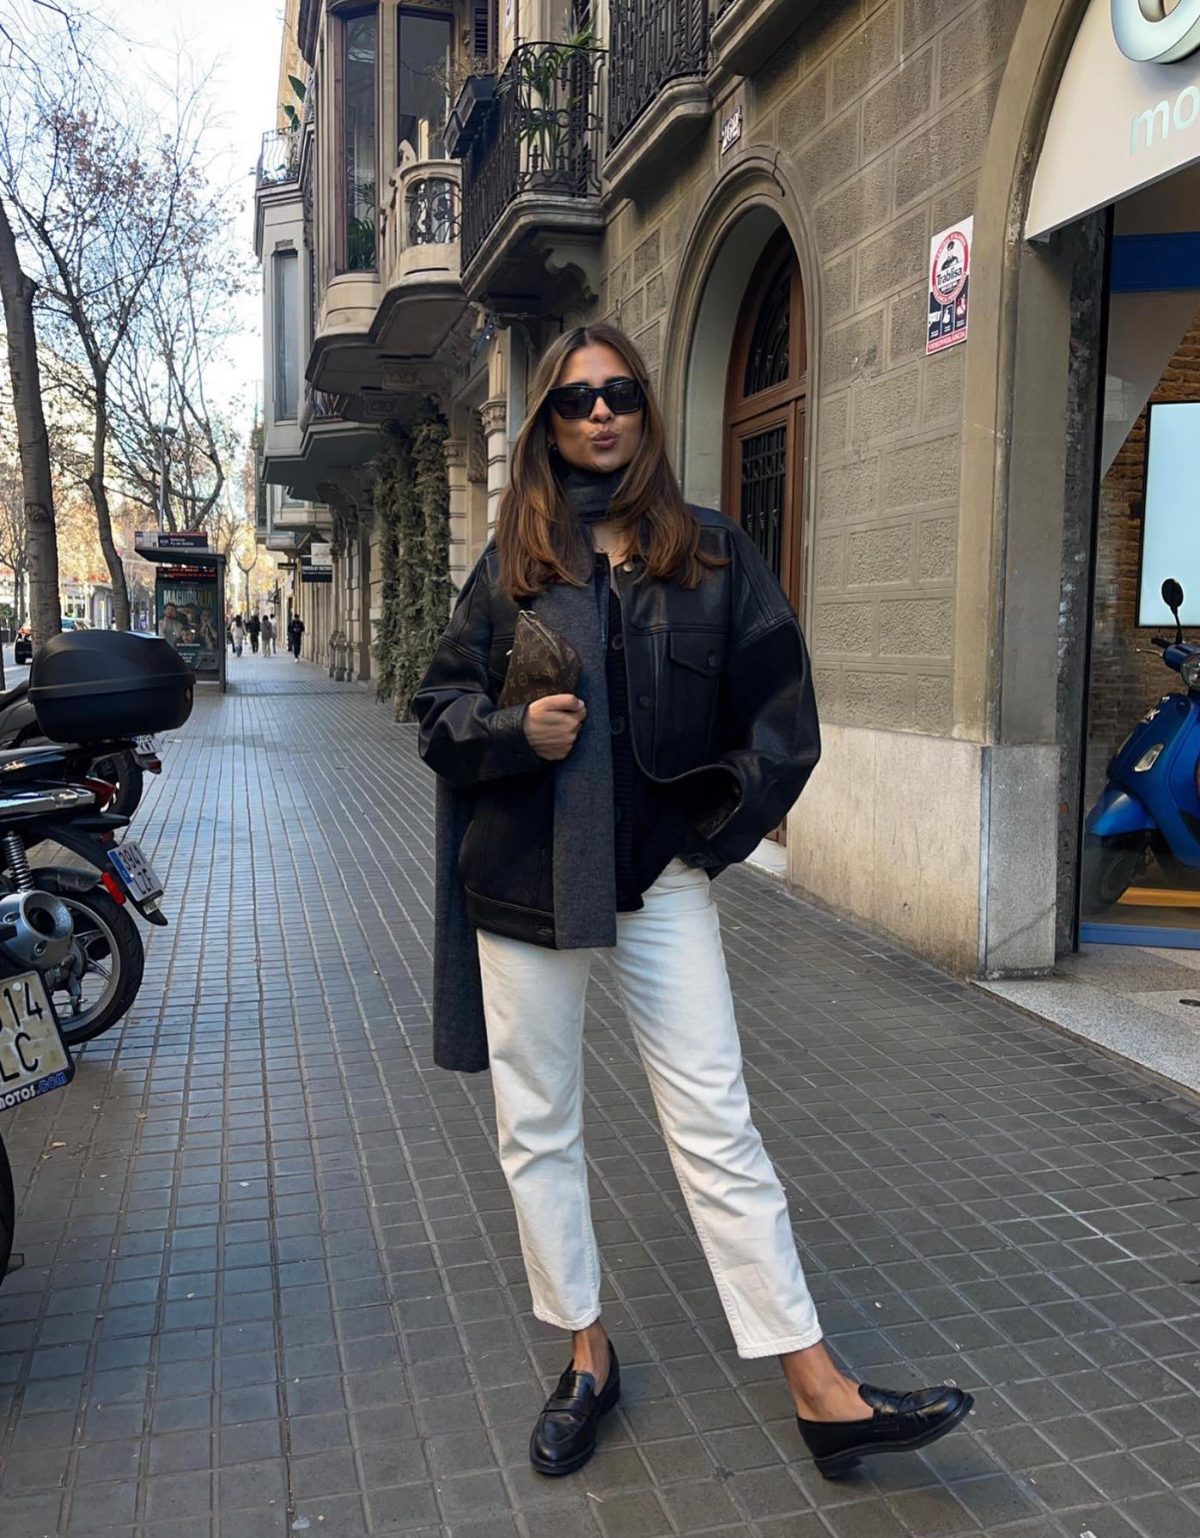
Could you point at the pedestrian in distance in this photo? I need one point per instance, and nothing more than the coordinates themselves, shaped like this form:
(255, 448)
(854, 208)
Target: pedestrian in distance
(237, 635)
(268, 636)
(295, 635)
(254, 630)
(597, 816)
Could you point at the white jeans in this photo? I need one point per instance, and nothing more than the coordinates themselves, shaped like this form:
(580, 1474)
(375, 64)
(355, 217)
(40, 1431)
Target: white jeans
(674, 987)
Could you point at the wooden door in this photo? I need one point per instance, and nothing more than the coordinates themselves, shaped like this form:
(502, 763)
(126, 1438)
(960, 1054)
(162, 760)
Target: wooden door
(766, 403)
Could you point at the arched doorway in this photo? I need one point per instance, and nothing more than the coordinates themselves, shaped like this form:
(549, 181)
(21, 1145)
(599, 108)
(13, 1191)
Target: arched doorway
(766, 404)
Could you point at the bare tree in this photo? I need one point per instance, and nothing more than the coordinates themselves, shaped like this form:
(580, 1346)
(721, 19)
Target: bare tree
(106, 200)
(33, 441)
(14, 538)
(160, 380)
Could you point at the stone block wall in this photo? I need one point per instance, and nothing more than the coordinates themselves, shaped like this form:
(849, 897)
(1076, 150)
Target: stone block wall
(879, 111)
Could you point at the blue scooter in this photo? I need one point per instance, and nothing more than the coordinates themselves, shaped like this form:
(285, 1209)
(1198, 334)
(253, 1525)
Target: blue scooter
(1151, 804)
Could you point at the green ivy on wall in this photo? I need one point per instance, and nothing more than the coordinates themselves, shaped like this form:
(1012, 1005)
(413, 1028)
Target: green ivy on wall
(412, 506)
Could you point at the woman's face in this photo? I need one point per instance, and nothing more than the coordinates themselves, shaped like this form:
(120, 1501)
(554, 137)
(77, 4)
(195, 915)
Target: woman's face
(603, 440)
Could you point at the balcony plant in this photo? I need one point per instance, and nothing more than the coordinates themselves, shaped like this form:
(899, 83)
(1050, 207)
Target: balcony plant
(549, 99)
(469, 85)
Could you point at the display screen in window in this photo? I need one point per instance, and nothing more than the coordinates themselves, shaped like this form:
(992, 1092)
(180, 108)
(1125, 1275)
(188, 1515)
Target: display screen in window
(1171, 526)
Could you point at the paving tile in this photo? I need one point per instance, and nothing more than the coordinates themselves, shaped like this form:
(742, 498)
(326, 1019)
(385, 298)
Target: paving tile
(311, 1284)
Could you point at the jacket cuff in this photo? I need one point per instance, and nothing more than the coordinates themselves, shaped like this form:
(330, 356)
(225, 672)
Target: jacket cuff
(512, 749)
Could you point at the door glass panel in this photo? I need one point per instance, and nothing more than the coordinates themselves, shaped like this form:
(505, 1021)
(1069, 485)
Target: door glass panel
(763, 488)
(424, 56)
(770, 350)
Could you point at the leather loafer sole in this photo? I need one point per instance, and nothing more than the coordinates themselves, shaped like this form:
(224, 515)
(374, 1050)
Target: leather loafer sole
(846, 1460)
(609, 1395)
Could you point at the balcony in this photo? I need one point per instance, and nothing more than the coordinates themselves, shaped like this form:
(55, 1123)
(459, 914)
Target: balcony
(419, 244)
(333, 443)
(279, 159)
(531, 181)
(745, 33)
(658, 100)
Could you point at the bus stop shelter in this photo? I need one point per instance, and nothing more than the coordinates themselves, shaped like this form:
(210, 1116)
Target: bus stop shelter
(189, 600)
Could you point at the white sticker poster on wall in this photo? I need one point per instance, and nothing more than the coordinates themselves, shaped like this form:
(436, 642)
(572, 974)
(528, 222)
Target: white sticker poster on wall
(949, 285)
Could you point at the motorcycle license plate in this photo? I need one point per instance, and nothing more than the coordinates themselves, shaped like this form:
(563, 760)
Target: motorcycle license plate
(135, 871)
(33, 1059)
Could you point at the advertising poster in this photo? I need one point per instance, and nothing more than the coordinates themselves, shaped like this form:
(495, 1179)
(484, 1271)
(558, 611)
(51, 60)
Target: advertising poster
(949, 286)
(188, 619)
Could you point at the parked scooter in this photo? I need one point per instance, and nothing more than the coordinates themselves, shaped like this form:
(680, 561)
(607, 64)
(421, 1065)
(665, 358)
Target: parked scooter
(125, 767)
(1151, 804)
(72, 923)
(91, 691)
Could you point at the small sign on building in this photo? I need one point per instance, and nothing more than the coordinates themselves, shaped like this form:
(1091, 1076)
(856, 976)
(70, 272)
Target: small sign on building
(731, 129)
(949, 285)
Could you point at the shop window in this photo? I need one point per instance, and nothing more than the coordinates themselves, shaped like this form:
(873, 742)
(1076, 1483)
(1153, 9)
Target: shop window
(423, 72)
(286, 291)
(360, 37)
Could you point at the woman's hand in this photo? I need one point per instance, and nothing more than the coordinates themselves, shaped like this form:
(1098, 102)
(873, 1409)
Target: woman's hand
(553, 724)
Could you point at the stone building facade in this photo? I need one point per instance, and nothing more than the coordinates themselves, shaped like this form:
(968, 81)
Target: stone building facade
(758, 191)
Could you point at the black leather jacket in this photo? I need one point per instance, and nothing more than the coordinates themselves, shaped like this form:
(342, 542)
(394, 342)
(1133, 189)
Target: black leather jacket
(722, 708)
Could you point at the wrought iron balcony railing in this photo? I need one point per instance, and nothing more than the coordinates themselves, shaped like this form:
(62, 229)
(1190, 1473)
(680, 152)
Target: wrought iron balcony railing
(543, 136)
(433, 211)
(320, 406)
(653, 43)
(279, 160)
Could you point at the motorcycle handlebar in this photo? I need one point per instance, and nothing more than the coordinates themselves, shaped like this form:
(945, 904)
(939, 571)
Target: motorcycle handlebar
(1160, 641)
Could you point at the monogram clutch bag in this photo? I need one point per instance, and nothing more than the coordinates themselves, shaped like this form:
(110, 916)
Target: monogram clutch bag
(541, 663)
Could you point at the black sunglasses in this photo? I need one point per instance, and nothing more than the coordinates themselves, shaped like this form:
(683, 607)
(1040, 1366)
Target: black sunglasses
(575, 402)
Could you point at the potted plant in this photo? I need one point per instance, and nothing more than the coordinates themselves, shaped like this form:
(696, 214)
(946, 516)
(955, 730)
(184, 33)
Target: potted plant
(471, 88)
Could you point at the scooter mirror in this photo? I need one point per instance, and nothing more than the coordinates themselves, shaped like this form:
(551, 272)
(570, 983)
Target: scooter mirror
(1173, 598)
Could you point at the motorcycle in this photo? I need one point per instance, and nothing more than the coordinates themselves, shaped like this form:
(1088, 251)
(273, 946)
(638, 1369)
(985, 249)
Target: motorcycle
(1150, 807)
(72, 923)
(125, 767)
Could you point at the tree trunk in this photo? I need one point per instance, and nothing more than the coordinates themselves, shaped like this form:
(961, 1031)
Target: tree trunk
(103, 514)
(18, 291)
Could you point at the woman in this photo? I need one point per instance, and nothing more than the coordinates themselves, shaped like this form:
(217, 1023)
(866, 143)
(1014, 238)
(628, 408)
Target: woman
(237, 635)
(268, 635)
(598, 818)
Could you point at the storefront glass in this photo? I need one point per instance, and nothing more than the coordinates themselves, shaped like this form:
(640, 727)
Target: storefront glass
(1140, 874)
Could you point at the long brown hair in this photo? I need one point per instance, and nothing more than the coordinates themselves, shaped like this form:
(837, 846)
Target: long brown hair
(537, 533)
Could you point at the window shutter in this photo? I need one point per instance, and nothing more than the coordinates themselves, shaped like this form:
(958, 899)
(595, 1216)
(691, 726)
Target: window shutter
(484, 28)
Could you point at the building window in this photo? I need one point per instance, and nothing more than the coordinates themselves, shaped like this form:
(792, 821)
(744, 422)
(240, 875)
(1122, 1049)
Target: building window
(287, 334)
(424, 57)
(360, 33)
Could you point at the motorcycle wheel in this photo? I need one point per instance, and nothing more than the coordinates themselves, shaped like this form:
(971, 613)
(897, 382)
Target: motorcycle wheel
(114, 961)
(123, 771)
(8, 1210)
(1109, 868)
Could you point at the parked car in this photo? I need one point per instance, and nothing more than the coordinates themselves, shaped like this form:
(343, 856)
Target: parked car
(23, 645)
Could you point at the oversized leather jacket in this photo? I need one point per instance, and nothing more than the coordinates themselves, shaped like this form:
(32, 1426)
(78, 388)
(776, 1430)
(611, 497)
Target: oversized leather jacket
(722, 709)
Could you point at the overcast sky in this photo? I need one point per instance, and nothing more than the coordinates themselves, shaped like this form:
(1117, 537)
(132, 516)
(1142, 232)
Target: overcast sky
(239, 40)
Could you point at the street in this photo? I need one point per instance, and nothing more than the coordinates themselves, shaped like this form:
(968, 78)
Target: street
(272, 1282)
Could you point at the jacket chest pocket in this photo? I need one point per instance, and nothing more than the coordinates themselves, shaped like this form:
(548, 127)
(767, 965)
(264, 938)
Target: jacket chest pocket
(691, 683)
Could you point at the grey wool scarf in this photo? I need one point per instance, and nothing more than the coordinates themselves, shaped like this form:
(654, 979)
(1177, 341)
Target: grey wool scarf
(585, 892)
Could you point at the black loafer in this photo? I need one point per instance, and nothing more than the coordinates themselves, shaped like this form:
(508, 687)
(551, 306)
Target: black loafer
(901, 1423)
(564, 1437)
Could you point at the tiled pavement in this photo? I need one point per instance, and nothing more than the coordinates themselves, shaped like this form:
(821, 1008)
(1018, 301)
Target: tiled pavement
(272, 1281)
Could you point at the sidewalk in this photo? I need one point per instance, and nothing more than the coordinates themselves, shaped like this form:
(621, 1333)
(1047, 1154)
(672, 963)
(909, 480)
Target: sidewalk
(272, 1279)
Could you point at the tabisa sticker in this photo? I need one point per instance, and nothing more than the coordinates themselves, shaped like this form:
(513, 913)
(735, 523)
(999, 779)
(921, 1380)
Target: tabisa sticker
(949, 286)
